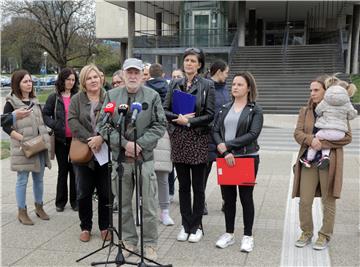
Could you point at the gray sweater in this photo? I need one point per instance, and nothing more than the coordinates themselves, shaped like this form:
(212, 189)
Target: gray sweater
(335, 110)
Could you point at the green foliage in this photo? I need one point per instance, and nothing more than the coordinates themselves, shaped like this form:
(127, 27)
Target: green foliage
(356, 80)
(43, 95)
(4, 149)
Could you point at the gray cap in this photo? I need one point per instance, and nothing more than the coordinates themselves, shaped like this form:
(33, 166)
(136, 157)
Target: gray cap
(133, 63)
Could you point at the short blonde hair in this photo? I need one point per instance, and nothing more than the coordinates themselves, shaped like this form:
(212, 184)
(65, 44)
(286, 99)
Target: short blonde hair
(84, 73)
(333, 80)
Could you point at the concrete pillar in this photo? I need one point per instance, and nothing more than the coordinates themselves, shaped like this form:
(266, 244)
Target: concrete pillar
(158, 26)
(348, 51)
(240, 22)
(252, 26)
(259, 32)
(355, 40)
(131, 27)
(122, 52)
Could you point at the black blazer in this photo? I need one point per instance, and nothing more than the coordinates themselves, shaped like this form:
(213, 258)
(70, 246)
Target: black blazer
(248, 129)
(56, 124)
(205, 103)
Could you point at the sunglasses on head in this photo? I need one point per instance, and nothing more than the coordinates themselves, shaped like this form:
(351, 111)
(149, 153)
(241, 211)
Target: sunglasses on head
(193, 49)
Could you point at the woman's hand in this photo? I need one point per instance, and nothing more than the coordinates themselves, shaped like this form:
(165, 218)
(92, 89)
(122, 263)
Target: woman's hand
(221, 148)
(230, 160)
(181, 120)
(316, 144)
(95, 142)
(17, 136)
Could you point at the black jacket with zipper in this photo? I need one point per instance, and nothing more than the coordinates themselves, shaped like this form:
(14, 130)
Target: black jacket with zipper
(205, 104)
(55, 119)
(248, 130)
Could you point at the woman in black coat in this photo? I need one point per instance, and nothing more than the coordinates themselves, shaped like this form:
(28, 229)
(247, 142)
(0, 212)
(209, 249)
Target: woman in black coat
(189, 141)
(55, 115)
(236, 130)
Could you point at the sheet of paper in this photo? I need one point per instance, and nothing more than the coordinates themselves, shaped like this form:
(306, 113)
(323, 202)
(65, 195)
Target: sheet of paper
(102, 155)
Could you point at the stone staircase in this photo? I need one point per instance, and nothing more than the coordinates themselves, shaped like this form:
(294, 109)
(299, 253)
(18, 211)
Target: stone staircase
(283, 78)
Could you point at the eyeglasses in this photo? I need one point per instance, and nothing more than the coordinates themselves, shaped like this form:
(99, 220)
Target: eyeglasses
(115, 83)
(193, 49)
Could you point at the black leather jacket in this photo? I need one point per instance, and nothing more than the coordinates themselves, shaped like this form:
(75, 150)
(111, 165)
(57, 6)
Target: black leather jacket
(248, 129)
(205, 103)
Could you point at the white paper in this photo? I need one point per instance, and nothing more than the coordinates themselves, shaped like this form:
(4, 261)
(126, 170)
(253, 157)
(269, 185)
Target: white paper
(102, 155)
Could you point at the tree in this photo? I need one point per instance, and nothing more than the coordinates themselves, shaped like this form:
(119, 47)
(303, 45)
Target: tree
(64, 29)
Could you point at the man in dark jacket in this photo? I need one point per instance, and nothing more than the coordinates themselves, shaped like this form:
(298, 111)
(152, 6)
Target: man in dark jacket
(157, 81)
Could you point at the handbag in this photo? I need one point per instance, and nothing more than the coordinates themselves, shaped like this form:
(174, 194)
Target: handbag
(79, 152)
(33, 146)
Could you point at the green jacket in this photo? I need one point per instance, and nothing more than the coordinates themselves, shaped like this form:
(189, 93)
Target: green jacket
(150, 123)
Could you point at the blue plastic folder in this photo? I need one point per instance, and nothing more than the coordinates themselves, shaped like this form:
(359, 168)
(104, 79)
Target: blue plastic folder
(183, 103)
(243, 173)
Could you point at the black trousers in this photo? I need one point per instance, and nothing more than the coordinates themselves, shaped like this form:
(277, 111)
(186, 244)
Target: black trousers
(65, 168)
(191, 175)
(246, 198)
(171, 179)
(87, 180)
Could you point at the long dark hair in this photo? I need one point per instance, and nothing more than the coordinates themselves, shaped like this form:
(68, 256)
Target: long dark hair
(60, 82)
(16, 78)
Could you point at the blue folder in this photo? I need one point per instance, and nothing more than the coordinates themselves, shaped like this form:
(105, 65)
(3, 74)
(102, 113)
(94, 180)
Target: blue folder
(183, 103)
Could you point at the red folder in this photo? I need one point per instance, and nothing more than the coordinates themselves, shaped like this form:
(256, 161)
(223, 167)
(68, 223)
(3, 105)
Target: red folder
(242, 173)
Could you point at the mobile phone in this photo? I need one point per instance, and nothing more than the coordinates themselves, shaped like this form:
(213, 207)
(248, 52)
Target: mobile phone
(30, 106)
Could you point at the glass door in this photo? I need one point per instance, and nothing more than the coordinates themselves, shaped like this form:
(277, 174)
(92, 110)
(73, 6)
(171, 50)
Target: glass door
(201, 22)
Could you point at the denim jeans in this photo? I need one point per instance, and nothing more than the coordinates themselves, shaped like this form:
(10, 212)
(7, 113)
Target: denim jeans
(38, 184)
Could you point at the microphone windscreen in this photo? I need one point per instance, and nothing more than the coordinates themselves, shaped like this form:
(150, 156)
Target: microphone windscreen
(136, 106)
(110, 107)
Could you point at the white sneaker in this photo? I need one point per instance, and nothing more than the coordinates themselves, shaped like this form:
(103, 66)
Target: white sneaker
(165, 218)
(225, 240)
(194, 238)
(247, 243)
(182, 235)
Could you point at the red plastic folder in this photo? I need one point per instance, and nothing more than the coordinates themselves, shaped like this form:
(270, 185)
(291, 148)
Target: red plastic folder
(243, 173)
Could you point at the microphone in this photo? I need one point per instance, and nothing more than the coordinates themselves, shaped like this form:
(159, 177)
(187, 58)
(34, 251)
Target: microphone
(136, 108)
(109, 110)
(122, 110)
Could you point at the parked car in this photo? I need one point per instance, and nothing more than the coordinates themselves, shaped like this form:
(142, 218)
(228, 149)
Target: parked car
(5, 81)
(48, 80)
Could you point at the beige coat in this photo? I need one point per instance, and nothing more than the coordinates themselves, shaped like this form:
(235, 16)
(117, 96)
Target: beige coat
(29, 127)
(162, 154)
(304, 135)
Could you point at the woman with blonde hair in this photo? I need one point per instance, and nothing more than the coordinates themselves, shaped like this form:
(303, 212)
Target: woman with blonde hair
(83, 115)
(22, 95)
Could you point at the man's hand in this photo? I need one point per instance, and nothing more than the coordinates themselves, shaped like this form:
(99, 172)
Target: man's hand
(129, 149)
(95, 142)
(221, 148)
(22, 113)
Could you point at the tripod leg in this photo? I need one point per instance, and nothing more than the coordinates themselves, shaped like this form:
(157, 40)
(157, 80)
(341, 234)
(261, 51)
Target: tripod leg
(92, 253)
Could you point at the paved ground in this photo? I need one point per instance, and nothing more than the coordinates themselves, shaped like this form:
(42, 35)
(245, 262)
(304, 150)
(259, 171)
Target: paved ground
(56, 243)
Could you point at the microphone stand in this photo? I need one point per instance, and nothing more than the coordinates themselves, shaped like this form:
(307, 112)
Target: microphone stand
(139, 206)
(111, 229)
